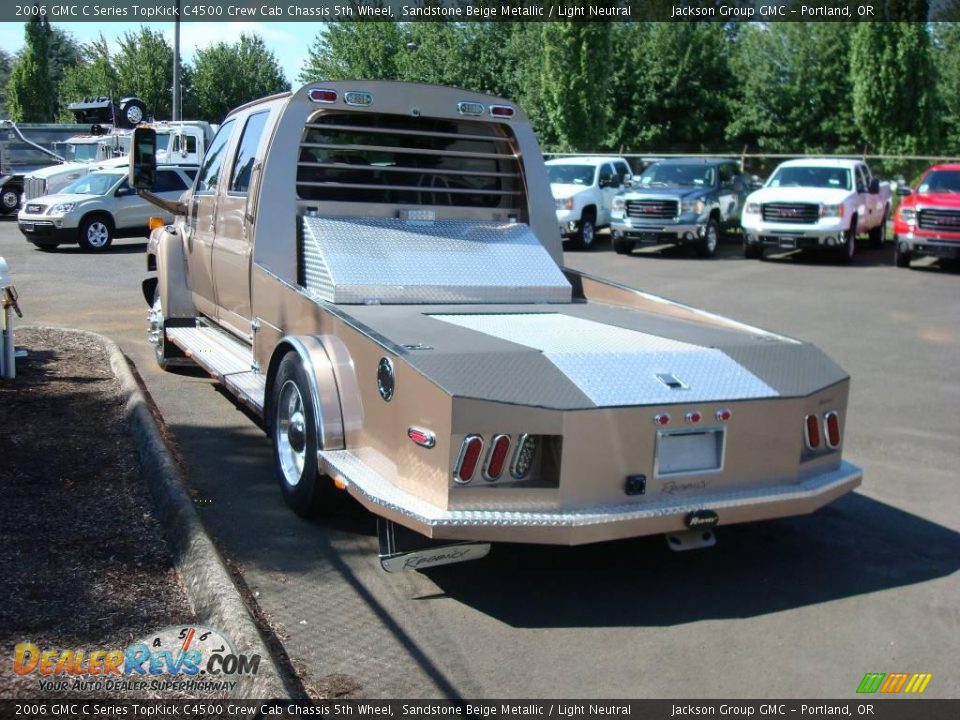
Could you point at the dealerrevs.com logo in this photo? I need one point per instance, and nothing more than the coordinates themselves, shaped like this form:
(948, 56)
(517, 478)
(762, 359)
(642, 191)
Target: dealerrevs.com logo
(894, 683)
(190, 658)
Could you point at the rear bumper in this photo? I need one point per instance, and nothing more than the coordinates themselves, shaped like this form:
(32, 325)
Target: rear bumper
(577, 527)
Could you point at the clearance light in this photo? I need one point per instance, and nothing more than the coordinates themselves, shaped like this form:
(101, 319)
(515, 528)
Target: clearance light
(502, 111)
(661, 419)
(422, 437)
(468, 459)
(499, 445)
(155, 222)
(523, 456)
(723, 415)
(832, 422)
(694, 417)
(323, 95)
(470, 108)
(811, 432)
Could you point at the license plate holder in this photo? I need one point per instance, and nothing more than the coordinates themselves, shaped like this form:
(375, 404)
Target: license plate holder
(27, 227)
(787, 243)
(690, 452)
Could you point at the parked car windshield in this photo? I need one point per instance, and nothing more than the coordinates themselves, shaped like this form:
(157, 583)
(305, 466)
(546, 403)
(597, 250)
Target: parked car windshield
(941, 181)
(813, 177)
(571, 174)
(92, 184)
(677, 175)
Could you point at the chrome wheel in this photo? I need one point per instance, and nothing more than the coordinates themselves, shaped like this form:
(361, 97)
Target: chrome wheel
(290, 433)
(97, 234)
(8, 201)
(134, 115)
(155, 332)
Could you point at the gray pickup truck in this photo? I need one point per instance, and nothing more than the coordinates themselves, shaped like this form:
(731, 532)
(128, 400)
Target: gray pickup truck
(686, 201)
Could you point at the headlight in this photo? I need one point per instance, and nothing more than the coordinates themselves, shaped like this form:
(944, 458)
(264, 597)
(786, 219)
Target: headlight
(618, 204)
(61, 209)
(751, 209)
(694, 206)
(565, 203)
(831, 211)
(908, 215)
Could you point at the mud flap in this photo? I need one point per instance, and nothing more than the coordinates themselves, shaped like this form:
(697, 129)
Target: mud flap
(403, 549)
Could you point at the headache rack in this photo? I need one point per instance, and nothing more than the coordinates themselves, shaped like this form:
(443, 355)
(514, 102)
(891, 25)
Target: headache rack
(402, 160)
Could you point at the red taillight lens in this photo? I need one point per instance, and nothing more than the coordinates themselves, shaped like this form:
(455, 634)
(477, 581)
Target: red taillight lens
(832, 422)
(322, 95)
(500, 445)
(811, 432)
(661, 419)
(468, 459)
(501, 111)
(723, 415)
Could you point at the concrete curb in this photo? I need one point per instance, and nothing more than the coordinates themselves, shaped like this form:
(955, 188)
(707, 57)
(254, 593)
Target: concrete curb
(209, 586)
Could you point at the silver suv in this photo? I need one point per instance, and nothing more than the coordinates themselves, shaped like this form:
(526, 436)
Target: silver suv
(101, 206)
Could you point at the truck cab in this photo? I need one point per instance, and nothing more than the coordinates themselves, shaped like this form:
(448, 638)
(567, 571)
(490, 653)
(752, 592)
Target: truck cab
(375, 269)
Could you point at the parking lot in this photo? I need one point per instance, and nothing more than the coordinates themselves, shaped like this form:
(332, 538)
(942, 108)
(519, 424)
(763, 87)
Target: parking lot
(801, 607)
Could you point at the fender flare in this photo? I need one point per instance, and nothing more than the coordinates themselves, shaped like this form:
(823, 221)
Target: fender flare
(165, 255)
(324, 388)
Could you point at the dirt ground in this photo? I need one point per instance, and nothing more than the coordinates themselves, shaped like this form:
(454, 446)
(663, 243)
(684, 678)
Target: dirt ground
(83, 561)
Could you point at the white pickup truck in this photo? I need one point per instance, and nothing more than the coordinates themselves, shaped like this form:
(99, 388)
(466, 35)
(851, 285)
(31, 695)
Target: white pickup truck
(817, 203)
(583, 189)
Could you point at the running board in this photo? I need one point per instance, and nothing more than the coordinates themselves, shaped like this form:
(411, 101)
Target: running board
(225, 358)
(402, 549)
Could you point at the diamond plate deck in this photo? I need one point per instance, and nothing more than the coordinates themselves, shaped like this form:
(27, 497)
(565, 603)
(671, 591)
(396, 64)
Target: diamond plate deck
(356, 260)
(614, 366)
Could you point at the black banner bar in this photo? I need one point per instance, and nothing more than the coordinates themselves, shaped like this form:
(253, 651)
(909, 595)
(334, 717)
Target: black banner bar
(868, 707)
(101, 11)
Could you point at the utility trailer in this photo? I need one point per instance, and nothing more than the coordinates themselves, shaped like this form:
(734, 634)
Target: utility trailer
(375, 269)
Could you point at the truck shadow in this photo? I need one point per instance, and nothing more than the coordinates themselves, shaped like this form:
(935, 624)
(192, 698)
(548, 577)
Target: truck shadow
(853, 547)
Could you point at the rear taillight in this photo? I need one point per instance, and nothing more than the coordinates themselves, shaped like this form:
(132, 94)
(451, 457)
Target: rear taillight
(323, 95)
(496, 457)
(468, 458)
(811, 432)
(831, 422)
(501, 111)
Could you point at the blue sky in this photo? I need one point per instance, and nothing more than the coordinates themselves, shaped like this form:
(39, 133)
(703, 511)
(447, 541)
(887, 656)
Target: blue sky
(289, 41)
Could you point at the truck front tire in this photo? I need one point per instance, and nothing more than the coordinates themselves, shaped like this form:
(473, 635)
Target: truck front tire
(587, 230)
(9, 200)
(848, 250)
(711, 239)
(900, 259)
(293, 425)
(96, 233)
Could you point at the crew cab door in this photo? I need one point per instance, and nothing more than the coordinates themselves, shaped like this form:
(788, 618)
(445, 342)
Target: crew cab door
(872, 201)
(233, 245)
(730, 194)
(609, 183)
(200, 227)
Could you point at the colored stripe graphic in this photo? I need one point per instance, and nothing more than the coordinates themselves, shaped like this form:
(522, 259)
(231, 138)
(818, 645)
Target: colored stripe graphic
(870, 683)
(894, 683)
(918, 683)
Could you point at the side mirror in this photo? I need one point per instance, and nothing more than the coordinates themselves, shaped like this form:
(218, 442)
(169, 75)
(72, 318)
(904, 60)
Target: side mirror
(904, 190)
(874, 186)
(143, 158)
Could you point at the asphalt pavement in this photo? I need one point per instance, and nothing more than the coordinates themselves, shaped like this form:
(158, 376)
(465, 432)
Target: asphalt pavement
(801, 607)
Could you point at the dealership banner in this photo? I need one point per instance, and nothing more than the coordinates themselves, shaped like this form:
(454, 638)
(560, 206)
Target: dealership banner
(862, 707)
(100, 11)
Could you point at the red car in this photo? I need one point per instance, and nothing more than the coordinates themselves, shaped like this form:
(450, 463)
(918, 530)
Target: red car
(928, 220)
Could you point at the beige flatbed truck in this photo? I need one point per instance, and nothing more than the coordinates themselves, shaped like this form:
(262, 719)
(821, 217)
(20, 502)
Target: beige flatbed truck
(375, 269)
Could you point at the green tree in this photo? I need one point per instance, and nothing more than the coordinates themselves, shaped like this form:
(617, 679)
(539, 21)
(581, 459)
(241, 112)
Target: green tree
(94, 75)
(792, 90)
(893, 87)
(64, 53)
(227, 75)
(355, 50)
(946, 59)
(144, 65)
(4, 77)
(671, 81)
(30, 92)
(575, 79)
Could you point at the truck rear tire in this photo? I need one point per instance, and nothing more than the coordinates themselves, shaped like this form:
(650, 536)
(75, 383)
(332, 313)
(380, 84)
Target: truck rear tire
(711, 239)
(586, 232)
(292, 417)
(133, 112)
(878, 236)
(9, 200)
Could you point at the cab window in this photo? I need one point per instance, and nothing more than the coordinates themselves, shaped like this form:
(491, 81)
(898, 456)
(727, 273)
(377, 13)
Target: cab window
(210, 172)
(606, 175)
(247, 152)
